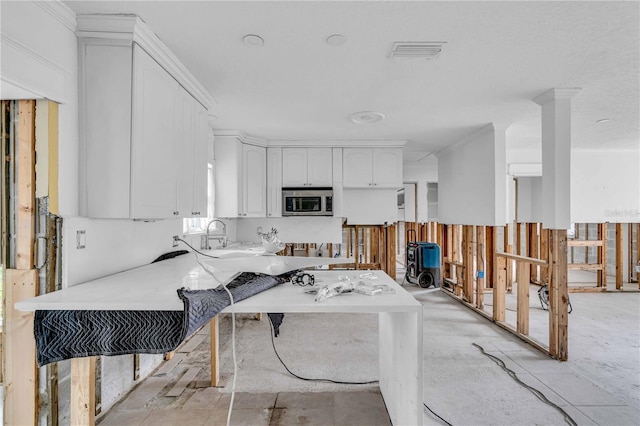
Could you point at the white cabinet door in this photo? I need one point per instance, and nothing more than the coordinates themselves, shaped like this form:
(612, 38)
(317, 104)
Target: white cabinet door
(154, 181)
(274, 182)
(185, 151)
(320, 167)
(294, 167)
(357, 167)
(254, 179)
(200, 163)
(228, 176)
(387, 167)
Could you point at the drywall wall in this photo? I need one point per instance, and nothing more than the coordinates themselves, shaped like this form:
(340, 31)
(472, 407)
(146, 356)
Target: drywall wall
(292, 229)
(370, 206)
(605, 186)
(422, 173)
(529, 194)
(472, 183)
(39, 57)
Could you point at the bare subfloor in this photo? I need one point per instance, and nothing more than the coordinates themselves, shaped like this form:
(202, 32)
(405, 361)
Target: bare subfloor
(599, 385)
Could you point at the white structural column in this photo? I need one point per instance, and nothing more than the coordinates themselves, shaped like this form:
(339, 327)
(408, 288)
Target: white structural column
(556, 209)
(556, 156)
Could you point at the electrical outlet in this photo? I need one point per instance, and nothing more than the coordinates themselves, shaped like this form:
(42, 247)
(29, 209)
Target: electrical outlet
(175, 241)
(259, 229)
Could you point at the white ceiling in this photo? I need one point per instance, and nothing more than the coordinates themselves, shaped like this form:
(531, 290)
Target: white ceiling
(498, 57)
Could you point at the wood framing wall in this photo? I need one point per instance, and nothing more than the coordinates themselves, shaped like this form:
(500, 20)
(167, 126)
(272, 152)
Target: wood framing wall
(473, 264)
(20, 368)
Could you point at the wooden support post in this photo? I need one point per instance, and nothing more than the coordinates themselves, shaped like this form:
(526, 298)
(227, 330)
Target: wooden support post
(558, 296)
(532, 251)
(21, 374)
(508, 248)
(586, 237)
(519, 237)
(83, 383)
(601, 275)
(544, 255)
(468, 239)
(499, 288)
(619, 257)
(215, 353)
(391, 250)
(480, 261)
(523, 278)
(637, 264)
(490, 250)
(455, 241)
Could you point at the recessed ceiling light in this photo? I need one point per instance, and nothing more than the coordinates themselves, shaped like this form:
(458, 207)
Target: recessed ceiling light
(336, 40)
(367, 117)
(253, 40)
(603, 120)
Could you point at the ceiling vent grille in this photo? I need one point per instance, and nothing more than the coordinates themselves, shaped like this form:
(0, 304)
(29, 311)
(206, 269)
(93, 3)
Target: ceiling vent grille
(417, 49)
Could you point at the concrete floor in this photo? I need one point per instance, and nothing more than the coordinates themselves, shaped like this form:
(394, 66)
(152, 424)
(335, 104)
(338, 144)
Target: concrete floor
(599, 385)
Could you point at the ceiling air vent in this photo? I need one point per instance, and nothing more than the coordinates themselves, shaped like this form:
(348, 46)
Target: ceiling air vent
(417, 49)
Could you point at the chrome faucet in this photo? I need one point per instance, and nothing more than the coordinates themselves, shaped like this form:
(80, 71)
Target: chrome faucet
(222, 238)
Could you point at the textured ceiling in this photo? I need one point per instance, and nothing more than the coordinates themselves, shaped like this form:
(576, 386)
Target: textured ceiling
(498, 57)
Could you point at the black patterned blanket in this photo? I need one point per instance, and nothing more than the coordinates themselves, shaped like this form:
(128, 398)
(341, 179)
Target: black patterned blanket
(79, 333)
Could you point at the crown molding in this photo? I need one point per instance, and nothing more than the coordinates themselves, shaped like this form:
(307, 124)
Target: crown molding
(59, 11)
(557, 93)
(338, 143)
(132, 29)
(307, 143)
(493, 127)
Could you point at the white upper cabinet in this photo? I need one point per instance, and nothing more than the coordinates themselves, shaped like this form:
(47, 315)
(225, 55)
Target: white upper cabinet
(372, 167)
(240, 180)
(274, 182)
(254, 181)
(302, 167)
(192, 172)
(143, 135)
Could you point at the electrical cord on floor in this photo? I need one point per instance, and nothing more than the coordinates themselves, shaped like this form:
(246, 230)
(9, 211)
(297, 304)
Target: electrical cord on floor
(308, 379)
(536, 392)
(434, 413)
(233, 329)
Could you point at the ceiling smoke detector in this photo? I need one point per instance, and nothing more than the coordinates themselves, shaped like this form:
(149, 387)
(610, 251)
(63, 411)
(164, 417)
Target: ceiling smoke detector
(367, 117)
(417, 49)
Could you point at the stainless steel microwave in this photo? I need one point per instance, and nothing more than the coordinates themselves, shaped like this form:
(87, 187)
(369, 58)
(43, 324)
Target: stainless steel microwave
(307, 202)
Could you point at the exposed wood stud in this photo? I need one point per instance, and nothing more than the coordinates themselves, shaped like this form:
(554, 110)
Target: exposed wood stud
(558, 296)
(83, 383)
(21, 374)
(532, 251)
(215, 354)
(499, 288)
(619, 256)
(601, 277)
(544, 254)
(26, 184)
(523, 278)
(469, 250)
(490, 249)
(480, 265)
